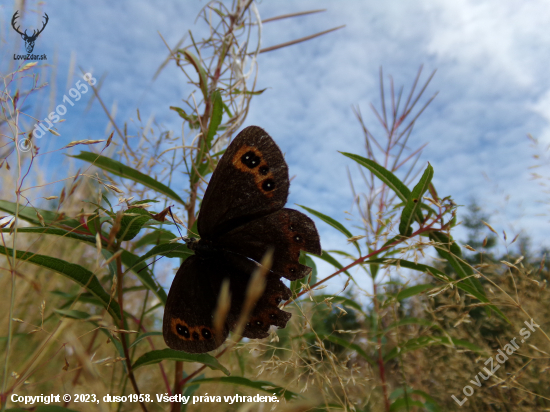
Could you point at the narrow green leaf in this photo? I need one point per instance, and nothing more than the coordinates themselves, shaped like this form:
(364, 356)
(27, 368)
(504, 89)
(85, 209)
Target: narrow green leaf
(120, 169)
(256, 92)
(258, 385)
(334, 223)
(156, 237)
(203, 82)
(330, 259)
(29, 214)
(384, 175)
(156, 356)
(192, 120)
(131, 223)
(311, 279)
(76, 273)
(449, 250)
(216, 118)
(144, 274)
(441, 276)
(387, 177)
(49, 230)
(411, 211)
(413, 290)
(128, 259)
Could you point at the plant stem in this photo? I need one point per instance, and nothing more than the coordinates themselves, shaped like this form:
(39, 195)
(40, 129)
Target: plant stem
(123, 335)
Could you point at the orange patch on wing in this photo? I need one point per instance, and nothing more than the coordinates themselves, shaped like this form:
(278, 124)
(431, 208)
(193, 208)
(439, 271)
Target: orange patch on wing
(259, 178)
(175, 322)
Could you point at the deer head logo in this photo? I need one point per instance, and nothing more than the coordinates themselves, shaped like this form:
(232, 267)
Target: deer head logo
(29, 40)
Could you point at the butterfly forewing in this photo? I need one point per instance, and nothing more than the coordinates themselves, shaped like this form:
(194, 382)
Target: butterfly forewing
(251, 180)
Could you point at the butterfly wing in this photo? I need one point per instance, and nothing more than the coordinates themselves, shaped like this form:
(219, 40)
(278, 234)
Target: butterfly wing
(287, 231)
(266, 312)
(192, 300)
(251, 180)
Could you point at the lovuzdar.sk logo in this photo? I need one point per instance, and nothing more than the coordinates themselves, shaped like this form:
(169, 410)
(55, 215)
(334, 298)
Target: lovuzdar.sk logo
(29, 40)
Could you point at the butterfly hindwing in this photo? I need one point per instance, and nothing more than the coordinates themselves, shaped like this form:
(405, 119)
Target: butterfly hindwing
(251, 180)
(192, 300)
(287, 230)
(266, 313)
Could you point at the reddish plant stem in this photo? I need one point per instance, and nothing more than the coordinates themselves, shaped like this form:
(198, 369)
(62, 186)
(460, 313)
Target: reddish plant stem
(362, 259)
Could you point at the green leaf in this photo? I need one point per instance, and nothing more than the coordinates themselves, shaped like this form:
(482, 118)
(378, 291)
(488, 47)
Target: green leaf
(424, 341)
(216, 118)
(128, 259)
(258, 385)
(441, 276)
(413, 290)
(449, 250)
(167, 249)
(29, 214)
(411, 211)
(74, 272)
(120, 169)
(384, 175)
(329, 259)
(311, 279)
(192, 120)
(256, 92)
(156, 237)
(387, 177)
(131, 223)
(55, 231)
(334, 223)
(156, 356)
(203, 82)
(143, 273)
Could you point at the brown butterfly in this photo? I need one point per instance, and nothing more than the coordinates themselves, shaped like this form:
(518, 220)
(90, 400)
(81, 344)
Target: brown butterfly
(241, 217)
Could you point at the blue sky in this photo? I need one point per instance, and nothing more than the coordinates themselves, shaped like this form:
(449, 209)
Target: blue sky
(492, 61)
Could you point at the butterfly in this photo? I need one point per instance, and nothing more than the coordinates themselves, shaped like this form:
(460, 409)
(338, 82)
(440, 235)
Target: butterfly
(242, 216)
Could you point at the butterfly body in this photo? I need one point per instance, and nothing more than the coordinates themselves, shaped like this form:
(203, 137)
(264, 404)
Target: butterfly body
(241, 218)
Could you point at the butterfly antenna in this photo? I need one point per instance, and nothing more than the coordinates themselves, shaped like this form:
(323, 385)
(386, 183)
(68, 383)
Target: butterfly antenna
(177, 226)
(185, 238)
